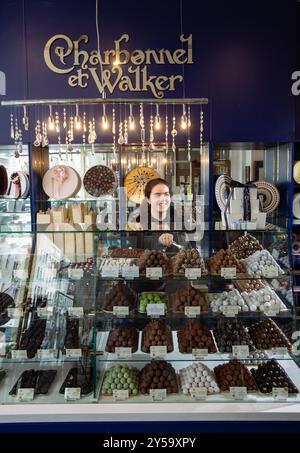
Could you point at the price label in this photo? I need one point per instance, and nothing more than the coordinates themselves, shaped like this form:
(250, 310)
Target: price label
(21, 274)
(238, 393)
(154, 273)
(75, 274)
(155, 309)
(228, 272)
(275, 254)
(73, 353)
(14, 312)
(72, 393)
(199, 393)
(123, 353)
(43, 311)
(45, 354)
(120, 311)
(192, 312)
(240, 351)
(199, 353)
(193, 273)
(120, 395)
(279, 351)
(158, 394)
(280, 393)
(130, 272)
(270, 272)
(19, 354)
(230, 311)
(110, 271)
(77, 312)
(25, 394)
(158, 352)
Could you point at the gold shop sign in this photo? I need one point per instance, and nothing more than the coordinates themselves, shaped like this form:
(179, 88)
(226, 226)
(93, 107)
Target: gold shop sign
(127, 70)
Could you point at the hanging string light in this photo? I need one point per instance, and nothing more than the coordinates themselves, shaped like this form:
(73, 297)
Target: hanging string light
(51, 123)
(183, 122)
(201, 132)
(157, 119)
(77, 119)
(131, 121)
(105, 124)
(25, 119)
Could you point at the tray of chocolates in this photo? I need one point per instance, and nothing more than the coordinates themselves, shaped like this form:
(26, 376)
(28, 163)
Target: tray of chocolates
(270, 374)
(152, 297)
(245, 246)
(193, 335)
(39, 380)
(230, 333)
(249, 285)
(124, 337)
(32, 338)
(158, 374)
(153, 258)
(267, 335)
(79, 377)
(120, 377)
(188, 296)
(198, 375)
(130, 252)
(100, 180)
(157, 333)
(234, 374)
(187, 259)
(224, 259)
(120, 295)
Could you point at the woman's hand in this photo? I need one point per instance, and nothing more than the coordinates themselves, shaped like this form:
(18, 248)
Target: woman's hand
(166, 239)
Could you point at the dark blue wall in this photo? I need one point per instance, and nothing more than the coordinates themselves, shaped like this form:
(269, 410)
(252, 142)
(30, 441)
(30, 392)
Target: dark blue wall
(244, 55)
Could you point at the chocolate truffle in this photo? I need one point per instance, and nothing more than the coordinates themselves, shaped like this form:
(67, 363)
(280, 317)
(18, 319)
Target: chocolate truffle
(158, 374)
(120, 295)
(234, 374)
(224, 258)
(186, 259)
(270, 374)
(157, 333)
(188, 296)
(230, 333)
(153, 258)
(245, 246)
(122, 336)
(195, 336)
(266, 335)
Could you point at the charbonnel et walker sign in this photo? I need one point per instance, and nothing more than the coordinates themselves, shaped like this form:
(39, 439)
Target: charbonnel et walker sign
(123, 70)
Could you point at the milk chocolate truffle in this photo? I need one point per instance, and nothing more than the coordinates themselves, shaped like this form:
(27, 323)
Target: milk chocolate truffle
(153, 258)
(270, 374)
(158, 374)
(122, 336)
(186, 259)
(224, 258)
(126, 253)
(195, 336)
(120, 295)
(250, 285)
(230, 333)
(266, 335)
(245, 246)
(157, 333)
(188, 296)
(234, 374)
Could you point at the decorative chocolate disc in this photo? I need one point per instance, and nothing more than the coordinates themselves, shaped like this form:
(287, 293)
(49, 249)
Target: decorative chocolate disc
(269, 194)
(100, 180)
(136, 180)
(222, 190)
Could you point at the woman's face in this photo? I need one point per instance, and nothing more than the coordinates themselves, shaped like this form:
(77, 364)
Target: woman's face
(160, 198)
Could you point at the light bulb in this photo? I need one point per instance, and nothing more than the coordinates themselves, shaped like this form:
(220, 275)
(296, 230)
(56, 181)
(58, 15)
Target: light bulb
(184, 122)
(116, 62)
(165, 160)
(51, 124)
(77, 122)
(131, 123)
(105, 123)
(157, 123)
(133, 160)
(154, 160)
